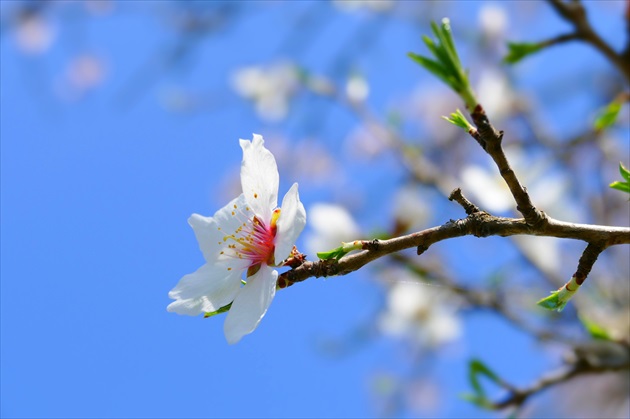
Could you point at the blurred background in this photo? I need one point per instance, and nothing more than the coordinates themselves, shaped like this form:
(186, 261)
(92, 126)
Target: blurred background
(119, 119)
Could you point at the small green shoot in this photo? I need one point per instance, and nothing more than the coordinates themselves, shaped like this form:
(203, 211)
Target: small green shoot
(457, 118)
(622, 186)
(445, 63)
(559, 298)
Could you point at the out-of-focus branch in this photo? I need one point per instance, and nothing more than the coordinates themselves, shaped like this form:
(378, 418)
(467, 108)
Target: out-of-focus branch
(479, 299)
(592, 358)
(479, 224)
(575, 13)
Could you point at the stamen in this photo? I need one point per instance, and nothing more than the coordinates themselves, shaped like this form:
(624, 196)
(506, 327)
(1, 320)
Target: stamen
(252, 240)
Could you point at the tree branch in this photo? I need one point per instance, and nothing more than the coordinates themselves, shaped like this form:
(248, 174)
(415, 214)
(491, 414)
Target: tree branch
(490, 139)
(593, 358)
(575, 13)
(479, 224)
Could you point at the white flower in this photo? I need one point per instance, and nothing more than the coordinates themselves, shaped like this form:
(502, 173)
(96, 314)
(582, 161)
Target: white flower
(410, 208)
(417, 311)
(270, 88)
(331, 224)
(247, 235)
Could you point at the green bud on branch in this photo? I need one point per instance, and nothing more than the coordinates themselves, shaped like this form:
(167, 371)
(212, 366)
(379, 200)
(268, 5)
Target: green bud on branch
(559, 298)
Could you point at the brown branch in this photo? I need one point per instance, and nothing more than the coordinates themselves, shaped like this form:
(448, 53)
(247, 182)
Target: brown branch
(479, 224)
(575, 13)
(468, 206)
(587, 260)
(491, 142)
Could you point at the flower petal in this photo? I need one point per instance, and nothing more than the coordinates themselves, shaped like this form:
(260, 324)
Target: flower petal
(208, 289)
(290, 224)
(251, 304)
(259, 177)
(211, 232)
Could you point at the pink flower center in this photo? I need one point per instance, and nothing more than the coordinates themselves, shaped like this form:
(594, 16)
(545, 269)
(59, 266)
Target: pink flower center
(253, 240)
(258, 245)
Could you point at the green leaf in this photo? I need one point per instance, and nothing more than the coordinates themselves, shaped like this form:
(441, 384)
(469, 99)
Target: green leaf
(622, 186)
(519, 50)
(457, 118)
(219, 311)
(607, 116)
(595, 330)
(625, 173)
(433, 66)
(477, 368)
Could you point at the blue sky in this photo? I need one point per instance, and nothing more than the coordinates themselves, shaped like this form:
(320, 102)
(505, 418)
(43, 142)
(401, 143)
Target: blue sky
(95, 197)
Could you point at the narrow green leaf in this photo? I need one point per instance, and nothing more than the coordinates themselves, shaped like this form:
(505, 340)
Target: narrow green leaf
(432, 66)
(625, 173)
(595, 330)
(621, 186)
(519, 50)
(607, 116)
(477, 367)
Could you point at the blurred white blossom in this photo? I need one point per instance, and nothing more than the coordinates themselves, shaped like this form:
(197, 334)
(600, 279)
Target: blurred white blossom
(357, 88)
(33, 34)
(492, 21)
(306, 160)
(83, 74)
(366, 141)
(417, 311)
(548, 189)
(269, 87)
(410, 209)
(494, 90)
(370, 5)
(330, 224)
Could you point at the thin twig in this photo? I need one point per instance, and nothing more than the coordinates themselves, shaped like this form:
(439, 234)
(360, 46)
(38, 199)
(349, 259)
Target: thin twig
(575, 13)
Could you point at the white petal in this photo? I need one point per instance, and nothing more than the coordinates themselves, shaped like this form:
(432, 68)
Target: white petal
(259, 177)
(290, 224)
(211, 231)
(251, 304)
(208, 289)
